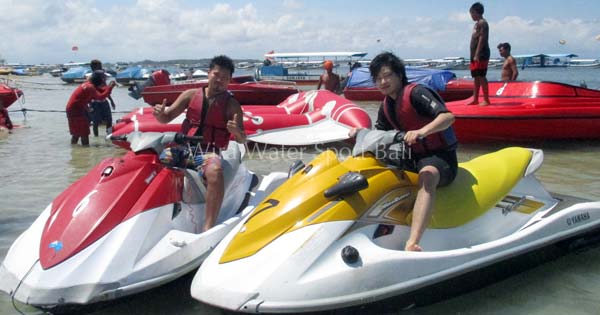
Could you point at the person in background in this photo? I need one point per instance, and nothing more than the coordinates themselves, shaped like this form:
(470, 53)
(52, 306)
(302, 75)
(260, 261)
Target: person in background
(480, 54)
(213, 113)
(421, 113)
(77, 106)
(100, 108)
(509, 68)
(5, 122)
(330, 80)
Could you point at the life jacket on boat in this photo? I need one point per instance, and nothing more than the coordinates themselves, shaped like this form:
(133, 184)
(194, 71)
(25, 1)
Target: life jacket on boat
(213, 126)
(408, 119)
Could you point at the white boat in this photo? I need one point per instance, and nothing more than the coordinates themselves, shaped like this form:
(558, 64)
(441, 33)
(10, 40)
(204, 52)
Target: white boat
(584, 63)
(277, 65)
(333, 235)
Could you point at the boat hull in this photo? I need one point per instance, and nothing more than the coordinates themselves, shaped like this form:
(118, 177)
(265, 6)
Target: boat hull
(245, 93)
(8, 95)
(529, 111)
(310, 284)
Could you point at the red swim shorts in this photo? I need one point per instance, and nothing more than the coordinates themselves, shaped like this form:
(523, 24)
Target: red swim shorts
(478, 68)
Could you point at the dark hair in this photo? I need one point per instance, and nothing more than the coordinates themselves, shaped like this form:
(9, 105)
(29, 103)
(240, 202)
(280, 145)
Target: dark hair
(97, 77)
(477, 7)
(506, 46)
(388, 59)
(96, 64)
(223, 62)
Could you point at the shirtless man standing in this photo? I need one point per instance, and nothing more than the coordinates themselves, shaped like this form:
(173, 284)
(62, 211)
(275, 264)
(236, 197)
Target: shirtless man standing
(330, 80)
(480, 54)
(509, 68)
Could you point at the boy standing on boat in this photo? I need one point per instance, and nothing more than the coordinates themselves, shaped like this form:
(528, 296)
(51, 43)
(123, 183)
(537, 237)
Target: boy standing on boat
(213, 113)
(421, 113)
(509, 68)
(329, 79)
(480, 54)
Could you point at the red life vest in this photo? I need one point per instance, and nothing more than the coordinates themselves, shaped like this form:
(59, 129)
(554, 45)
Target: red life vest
(408, 119)
(214, 125)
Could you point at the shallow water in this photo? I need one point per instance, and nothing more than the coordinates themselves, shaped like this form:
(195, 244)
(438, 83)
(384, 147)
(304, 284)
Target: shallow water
(38, 162)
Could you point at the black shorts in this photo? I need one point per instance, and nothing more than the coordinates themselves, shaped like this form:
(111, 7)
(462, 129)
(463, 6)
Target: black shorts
(101, 112)
(446, 163)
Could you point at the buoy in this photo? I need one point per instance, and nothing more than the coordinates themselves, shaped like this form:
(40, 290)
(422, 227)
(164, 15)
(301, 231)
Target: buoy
(562, 41)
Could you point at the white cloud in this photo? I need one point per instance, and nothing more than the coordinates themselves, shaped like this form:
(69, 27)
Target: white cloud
(292, 4)
(163, 29)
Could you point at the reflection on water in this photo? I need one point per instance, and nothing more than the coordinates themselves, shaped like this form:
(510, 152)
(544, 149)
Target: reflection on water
(38, 162)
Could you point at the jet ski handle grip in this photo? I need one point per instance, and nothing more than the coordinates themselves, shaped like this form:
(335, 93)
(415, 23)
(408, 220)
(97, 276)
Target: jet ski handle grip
(399, 137)
(181, 138)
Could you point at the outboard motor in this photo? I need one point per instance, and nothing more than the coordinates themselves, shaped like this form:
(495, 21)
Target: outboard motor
(158, 77)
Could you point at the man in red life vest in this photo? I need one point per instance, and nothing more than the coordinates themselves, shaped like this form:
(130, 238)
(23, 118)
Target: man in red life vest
(77, 106)
(213, 113)
(421, 113)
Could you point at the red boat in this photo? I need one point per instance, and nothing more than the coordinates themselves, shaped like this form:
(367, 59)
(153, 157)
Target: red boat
(360, 86)
(245, 93)
(8, 95)
(529, 111)
(304, 118)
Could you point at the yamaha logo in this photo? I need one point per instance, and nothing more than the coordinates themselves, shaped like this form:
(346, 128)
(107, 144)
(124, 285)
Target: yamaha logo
(578, 218)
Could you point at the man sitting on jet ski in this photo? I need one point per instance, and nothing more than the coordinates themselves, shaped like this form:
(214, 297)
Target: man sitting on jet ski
(214, 114)
(421, 113)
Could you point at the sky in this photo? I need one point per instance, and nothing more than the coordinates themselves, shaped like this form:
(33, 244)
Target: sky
(45, 31)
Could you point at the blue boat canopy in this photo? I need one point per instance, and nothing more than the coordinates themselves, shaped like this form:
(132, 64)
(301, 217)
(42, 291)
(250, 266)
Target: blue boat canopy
(436, 79)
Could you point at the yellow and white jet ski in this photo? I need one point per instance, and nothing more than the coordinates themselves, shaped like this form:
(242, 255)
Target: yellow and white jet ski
(333, 234)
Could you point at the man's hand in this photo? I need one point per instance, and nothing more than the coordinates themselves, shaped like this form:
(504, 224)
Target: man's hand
(232, 125)
(159, 109)
(112, 83)
(411, 137)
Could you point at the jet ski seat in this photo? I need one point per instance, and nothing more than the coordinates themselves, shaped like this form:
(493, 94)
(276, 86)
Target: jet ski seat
(479, 185)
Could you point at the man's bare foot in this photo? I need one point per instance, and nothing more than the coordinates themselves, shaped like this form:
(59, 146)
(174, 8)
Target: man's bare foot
(484, 103)
(473, 103)
(413, 248)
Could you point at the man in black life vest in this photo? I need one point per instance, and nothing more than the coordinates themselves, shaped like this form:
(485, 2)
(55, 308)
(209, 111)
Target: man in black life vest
(421, 113)
(213, 113)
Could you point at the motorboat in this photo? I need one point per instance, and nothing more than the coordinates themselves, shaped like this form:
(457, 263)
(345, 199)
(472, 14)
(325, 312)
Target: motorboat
(132, 223)
(245, 93)
(131, 75)
(304, 118)
(245, 89)
(76, 74)
(279, 66)
(333, 235)
(529, 111)
(360, 85)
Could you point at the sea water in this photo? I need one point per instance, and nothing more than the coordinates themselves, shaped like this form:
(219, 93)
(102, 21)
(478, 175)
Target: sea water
(37, 162)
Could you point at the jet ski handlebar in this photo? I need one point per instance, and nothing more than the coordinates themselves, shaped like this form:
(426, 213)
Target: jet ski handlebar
(181, 138)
